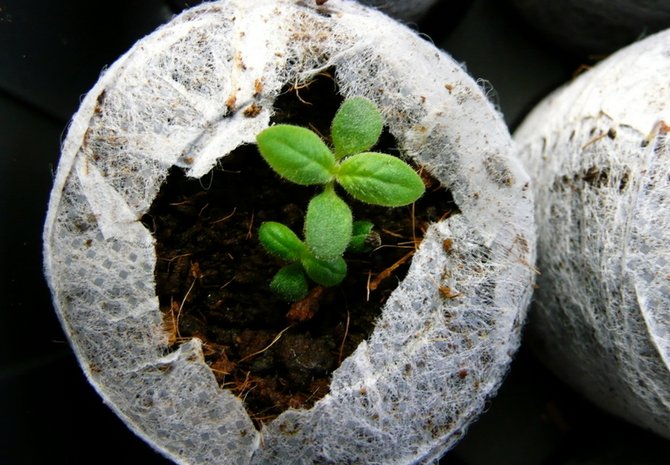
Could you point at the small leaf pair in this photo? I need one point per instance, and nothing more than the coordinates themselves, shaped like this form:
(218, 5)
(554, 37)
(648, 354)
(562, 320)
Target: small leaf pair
(291, 280)
(300, 156)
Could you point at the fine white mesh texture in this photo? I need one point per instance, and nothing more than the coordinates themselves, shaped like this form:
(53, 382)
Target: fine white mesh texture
(598, 150)
(179, 97)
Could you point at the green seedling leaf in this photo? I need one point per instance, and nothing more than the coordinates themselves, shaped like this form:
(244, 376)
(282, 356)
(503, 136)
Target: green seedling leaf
(360, 237)
(328, 224)
(290, 283)
(324, 272)
(300, 156)
(297, 154)
(380, 179)
(280, 241)
(356, 126)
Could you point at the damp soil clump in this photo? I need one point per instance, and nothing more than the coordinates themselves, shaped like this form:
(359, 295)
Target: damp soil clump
(213, 275)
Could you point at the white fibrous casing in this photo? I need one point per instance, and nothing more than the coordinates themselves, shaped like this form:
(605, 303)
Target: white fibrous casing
(180, 97)
(597, 150)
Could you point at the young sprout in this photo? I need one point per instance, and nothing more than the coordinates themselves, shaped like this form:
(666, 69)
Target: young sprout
(300, 156)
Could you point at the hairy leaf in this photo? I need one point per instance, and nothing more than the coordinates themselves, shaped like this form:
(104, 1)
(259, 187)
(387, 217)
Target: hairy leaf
(356, 126)
(328, 224)
(360, 237)
(297, 154)
(290, 283)
(280, 241)
(380, 179)
(324, 272)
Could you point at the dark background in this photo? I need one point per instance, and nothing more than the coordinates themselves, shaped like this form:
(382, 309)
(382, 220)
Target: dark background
(51, 53)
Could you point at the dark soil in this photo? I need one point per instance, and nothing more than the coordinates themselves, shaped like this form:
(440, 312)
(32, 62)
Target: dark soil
(212, 274)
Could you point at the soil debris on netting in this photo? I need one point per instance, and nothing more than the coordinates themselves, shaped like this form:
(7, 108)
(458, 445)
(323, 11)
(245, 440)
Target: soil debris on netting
(212, 274)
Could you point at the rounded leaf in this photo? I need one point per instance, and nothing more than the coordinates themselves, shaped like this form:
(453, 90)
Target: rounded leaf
(363, 238)
(290, 283)
(328, 225)
(380, 179)
(356, 126)
(296, 154)
(280, 241)
(324, 272)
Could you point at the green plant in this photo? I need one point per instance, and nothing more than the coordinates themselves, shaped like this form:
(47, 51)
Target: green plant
(301, 156)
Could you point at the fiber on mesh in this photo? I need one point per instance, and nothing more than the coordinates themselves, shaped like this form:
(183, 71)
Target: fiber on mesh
(598, 152)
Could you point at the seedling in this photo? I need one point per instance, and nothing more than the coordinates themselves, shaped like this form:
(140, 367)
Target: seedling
(301, 156)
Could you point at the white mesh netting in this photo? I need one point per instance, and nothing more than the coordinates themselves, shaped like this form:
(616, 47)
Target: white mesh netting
(178, 97)
(598, 150)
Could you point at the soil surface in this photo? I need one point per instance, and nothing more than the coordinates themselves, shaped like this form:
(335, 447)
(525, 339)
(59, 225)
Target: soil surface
(212, 273)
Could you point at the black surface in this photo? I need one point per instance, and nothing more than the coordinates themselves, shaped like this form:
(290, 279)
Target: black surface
(51, 52)
(593, 28)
